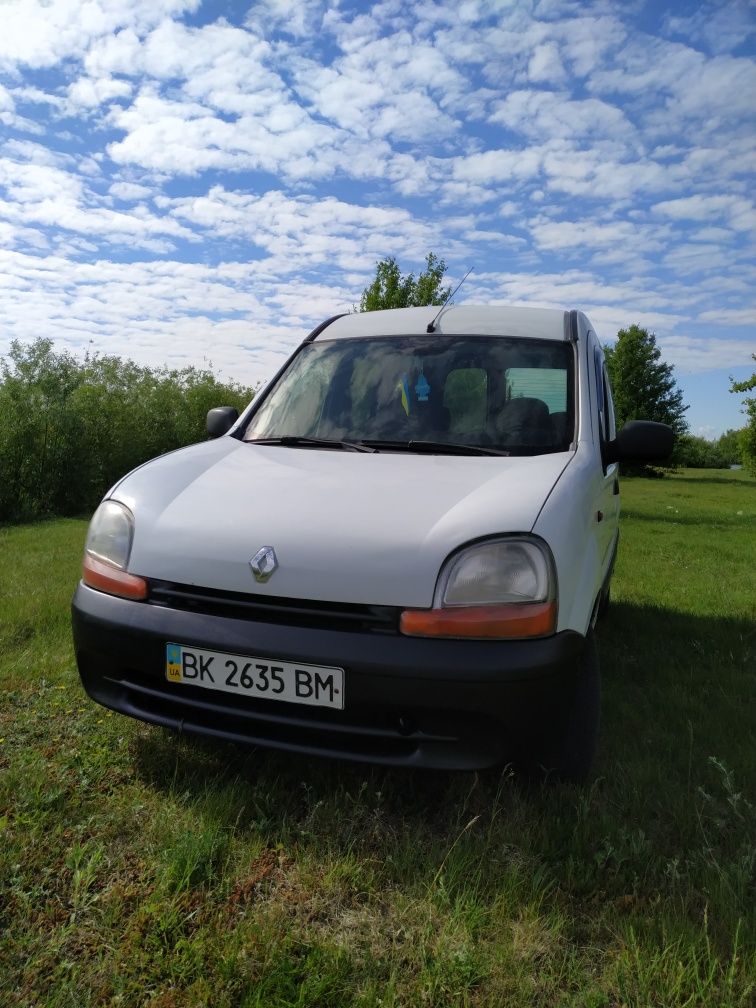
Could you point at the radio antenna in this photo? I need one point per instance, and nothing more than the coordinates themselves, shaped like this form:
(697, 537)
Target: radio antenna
(447, 302)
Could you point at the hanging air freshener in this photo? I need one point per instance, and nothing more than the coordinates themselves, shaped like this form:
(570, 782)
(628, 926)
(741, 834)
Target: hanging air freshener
(422, 388)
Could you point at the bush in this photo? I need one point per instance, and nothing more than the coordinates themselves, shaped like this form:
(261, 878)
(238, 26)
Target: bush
(69, 429)
(697, 453)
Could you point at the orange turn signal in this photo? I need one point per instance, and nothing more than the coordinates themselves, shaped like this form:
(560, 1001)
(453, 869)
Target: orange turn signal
(107, 578)
(515, 619)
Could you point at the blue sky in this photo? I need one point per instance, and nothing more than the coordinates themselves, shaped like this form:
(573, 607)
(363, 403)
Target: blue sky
(186, 182)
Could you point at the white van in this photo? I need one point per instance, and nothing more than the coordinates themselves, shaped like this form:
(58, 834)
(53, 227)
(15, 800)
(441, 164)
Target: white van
(396, 554)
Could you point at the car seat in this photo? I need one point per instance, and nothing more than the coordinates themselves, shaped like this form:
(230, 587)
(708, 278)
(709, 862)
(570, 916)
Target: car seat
(525, 421)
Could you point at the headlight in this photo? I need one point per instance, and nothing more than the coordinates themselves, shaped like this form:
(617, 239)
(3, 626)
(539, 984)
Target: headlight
(107, 552)
(502, 588)
(111, 533)
(507, 570)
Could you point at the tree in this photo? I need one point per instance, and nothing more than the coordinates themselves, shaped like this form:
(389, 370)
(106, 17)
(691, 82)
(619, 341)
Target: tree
(729, 447)
(748, 434)
(695, 452)
(644, 386)
(392, 290)
(70, 428)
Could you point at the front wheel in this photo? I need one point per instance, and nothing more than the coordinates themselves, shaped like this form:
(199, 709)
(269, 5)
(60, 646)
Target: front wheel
(567, 754)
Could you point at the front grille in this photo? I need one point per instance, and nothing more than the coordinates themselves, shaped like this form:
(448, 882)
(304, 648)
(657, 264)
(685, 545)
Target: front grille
(269, 609)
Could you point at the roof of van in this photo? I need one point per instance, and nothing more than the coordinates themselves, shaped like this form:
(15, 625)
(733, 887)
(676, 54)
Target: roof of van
(478, 320)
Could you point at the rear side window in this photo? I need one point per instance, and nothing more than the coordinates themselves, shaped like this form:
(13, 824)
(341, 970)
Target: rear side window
(549, 384)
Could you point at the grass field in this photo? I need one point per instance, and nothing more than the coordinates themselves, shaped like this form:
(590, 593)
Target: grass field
(140, 869)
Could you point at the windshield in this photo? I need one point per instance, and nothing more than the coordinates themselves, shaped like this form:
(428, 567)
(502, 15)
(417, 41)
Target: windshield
(514, 395)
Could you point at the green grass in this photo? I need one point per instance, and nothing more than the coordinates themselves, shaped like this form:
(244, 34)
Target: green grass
(140, 869)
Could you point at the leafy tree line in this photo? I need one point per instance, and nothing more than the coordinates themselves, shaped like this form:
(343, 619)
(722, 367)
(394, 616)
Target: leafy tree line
(644, 388)
(70, 428)
(695, 452)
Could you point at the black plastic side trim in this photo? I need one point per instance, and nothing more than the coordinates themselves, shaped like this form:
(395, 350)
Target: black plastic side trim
(573, 325)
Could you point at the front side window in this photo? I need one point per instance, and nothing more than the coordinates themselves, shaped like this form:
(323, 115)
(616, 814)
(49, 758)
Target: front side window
(609, 406)
(510, 394)
(598, 362)
(604, 400)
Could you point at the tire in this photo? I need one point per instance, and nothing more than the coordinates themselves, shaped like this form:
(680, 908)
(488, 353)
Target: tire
(567, 754)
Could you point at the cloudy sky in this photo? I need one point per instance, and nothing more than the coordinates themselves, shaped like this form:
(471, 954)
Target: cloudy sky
(186, 182)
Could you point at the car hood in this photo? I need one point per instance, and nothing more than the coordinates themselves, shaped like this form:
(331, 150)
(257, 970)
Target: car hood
(346, 526)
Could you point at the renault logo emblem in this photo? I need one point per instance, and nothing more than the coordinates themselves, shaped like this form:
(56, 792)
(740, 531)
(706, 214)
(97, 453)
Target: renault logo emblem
(264, 564)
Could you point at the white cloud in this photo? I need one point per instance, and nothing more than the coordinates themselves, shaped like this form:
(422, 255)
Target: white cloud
(7, 105)
(90, 92)
(184, 138)
(396, 87)
(678, 88)
(300, 18)
(35, 153)
(545, 64)
(600, 166)
(712, 234)
(129, 191)
(588, 41)
(39, 34)
(738, 212)
(554, 114)
(169, 313)
(494, 166)
(48, 196)
(603, 172)
(10, 117)
(721, 28)
(689, 259)
(565, 235)
(696, 355)
(731, 316)
(305, 233)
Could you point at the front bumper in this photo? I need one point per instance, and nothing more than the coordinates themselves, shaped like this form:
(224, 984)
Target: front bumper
(450, 704)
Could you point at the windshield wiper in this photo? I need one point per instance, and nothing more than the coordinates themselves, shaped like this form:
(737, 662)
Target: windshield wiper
(295, 441)
(434, 447)
(370, 445)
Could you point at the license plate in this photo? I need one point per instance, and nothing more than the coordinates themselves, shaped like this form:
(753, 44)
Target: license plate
(267, 678)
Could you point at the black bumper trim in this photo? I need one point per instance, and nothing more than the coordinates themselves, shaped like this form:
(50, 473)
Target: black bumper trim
(410, 701)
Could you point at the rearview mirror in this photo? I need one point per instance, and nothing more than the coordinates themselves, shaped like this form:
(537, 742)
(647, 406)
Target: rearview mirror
(221, 419)
(641, 441)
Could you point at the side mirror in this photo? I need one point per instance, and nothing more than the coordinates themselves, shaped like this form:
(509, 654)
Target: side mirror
(641, 441)
(220, 420)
